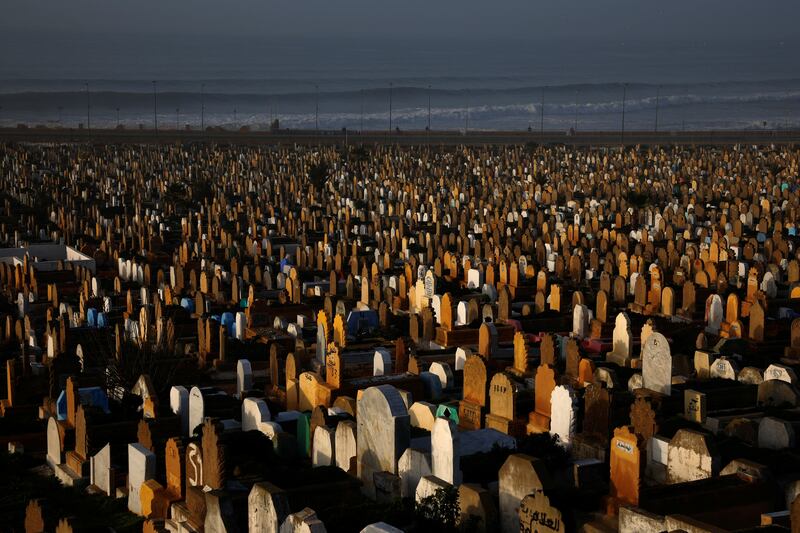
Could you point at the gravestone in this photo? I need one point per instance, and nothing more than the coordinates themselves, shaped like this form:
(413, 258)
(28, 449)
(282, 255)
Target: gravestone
(580, 321)
(215, 467)
(345, 447)
(445, 451)
(412, 467)
(596, 410)
(254, 412)
(520, 354)
(626, 466)
(422, 415)
(564, 405)
(54, 443)
(536, 513)
(544, 384)
(657, 364)
(141, 467)
(477, 507)
(196, 409)
(323, 448)
(519, 476)
(694, 406)
(776, 434)
(689, 458)
(724, 368)
(428, 486)
(174, 465)
(781, 372)
(621, 341)
(304, 521)
(470, 409)
(643, 419)
(384, 432)
(244, 377)
(179, 405)
(100, 472)
(547, 351)
(267, 508)
(702, 364)
(756, 325)
(194, 465)
(750, 375)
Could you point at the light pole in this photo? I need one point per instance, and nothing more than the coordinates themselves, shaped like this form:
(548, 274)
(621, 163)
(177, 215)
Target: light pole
(117, 117)
(541, 118)
(155, 107)
(202, 107)
(576, 111)
(177, 118)
(429, 108)
(466, 117)
(622, 131)
(658, 95)
(88, 108)
(362, 112)
(316, 108)
(390, 108)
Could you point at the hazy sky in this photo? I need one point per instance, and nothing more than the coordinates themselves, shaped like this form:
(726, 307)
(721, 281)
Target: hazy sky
(474, 19)
(92, 37)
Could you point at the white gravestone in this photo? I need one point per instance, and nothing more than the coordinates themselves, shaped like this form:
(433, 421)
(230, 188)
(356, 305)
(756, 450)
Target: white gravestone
(445, 451)
(657, 364)
(141, 467)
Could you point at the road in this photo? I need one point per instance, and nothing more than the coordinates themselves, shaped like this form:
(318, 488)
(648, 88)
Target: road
(449, 138)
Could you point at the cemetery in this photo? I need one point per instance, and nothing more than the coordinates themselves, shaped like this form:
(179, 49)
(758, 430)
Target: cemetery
(524, 338)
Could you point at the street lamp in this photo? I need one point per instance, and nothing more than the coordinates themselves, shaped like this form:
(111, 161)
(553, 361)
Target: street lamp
(202, 107)
(658, 96)
(576, 111)
(88, 108)
(155, 107)
(429, 108)
(624, 95)
(541, 118)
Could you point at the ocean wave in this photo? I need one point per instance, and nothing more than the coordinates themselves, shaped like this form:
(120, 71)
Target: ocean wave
(594, 105)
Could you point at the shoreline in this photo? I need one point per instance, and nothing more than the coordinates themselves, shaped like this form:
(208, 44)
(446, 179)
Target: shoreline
(406, 138)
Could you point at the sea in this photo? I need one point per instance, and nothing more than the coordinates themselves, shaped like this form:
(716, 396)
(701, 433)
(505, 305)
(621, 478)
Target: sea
(509, 86)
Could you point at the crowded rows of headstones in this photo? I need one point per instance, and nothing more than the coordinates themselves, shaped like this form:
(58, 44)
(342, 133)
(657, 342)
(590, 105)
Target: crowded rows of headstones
(568, 338)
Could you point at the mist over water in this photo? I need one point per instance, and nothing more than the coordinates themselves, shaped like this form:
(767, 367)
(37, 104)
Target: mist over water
(346, 84)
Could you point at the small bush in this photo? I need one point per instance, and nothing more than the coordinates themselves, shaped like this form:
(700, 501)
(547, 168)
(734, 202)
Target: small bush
(439, 511)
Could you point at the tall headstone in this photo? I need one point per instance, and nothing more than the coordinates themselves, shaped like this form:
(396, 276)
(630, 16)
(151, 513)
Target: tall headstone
(657, 364)
(564, 405)
(141, 467)
(384, 432)
(621, 341)
(626, 466)
(445, 451)
(100, 471)
(244, 377)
